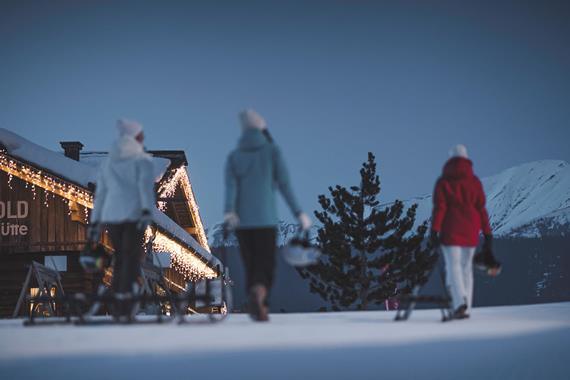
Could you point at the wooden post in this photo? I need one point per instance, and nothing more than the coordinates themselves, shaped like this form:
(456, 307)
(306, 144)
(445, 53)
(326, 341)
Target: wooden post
(23, 293)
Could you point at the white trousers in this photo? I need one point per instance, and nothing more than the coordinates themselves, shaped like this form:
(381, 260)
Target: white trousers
(459, 274)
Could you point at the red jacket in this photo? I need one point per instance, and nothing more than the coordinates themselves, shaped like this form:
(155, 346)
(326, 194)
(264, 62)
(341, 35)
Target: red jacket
(459, 212)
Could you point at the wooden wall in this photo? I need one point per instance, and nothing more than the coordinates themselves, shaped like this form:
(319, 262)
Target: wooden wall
(51, 231)
(50, 228)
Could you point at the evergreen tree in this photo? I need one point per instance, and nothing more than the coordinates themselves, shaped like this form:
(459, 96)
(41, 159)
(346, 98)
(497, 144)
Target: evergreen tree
(370, 252)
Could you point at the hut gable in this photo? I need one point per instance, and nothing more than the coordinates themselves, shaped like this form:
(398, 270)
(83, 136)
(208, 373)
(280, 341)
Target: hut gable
(176, 199)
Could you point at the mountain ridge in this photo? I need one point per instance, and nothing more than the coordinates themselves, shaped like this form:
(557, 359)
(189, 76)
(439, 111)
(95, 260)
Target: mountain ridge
(530, 200)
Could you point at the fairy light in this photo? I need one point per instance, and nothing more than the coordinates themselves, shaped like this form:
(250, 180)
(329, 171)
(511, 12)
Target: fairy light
(46, 198)
(184, 260)
(45, 181)
(10, 176)
(167, 190)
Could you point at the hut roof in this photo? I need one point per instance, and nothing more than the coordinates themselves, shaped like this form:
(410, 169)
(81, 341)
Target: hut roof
(84, 174)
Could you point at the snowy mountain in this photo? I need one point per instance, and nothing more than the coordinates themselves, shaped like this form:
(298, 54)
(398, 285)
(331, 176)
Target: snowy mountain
(285, 232)
(529, 200)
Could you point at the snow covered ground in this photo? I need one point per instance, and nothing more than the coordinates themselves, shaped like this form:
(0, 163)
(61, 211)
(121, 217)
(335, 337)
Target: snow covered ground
(520, 342)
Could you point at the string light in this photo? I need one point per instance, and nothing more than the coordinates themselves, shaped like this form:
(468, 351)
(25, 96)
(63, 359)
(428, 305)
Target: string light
(46, 198)
(167, 190)
(190, 266)
(184, 260)
(45, 181)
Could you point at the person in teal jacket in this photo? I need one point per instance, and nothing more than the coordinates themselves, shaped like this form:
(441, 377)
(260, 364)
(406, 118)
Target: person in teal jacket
(253, 173)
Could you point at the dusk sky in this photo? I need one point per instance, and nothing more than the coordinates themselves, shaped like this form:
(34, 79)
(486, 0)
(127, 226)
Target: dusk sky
(334, 79)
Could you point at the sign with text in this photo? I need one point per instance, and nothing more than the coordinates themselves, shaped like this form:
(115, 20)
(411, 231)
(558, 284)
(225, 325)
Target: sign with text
(11, 215)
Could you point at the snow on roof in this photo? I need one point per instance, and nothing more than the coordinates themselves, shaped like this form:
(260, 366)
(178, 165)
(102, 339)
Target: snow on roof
(83, 173)
(95, 159)
(179, 233)
(69, 169)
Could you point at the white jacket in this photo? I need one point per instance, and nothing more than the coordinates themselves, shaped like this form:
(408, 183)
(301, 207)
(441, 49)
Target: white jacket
(125, 185)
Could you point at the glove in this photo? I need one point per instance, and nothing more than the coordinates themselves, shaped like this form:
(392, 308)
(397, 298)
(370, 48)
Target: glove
(488, 243)
(304, 221)
(144, 221)
(94, 232)
(231, 220)
(434, 239)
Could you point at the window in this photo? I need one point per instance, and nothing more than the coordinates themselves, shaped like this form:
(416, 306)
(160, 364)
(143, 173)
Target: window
(59, 263)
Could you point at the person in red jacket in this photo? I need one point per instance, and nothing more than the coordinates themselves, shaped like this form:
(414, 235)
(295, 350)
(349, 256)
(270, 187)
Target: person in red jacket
(459, 215)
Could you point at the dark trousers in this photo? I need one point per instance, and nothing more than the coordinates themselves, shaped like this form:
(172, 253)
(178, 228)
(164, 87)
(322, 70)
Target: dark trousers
(258, 247)
(128, 243)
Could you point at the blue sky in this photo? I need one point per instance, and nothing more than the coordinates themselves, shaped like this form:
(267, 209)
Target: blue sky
(334, 79)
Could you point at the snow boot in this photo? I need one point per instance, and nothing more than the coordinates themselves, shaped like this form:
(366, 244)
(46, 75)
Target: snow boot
(257, 309)
(122, 307)
(461, 312)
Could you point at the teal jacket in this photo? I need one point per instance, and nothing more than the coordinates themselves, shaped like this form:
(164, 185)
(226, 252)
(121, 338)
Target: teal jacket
(253, 172)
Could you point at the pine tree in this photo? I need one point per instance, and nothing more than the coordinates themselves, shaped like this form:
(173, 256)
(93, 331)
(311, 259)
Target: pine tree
(370, 252)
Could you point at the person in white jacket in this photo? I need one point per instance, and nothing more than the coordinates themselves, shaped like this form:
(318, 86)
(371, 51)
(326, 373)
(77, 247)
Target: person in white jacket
(124, 200)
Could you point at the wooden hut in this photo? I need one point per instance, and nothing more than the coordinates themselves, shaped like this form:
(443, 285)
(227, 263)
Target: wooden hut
(45, 201)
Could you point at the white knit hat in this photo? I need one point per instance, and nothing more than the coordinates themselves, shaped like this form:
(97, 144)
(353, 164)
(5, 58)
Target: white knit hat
(458, 150)
(251, 119)
(129, 127)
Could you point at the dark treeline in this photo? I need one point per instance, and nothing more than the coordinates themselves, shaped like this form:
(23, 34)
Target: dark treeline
(535, 271)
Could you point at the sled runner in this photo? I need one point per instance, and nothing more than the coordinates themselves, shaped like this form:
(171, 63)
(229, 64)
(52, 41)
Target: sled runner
(80, 309)
(73, 306)
(443, 302)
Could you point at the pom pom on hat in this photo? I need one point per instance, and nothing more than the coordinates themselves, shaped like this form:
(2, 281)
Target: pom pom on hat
(129, 127)
(458, 150)
(251, 119)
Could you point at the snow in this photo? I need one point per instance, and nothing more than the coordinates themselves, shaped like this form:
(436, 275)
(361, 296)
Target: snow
(85, 172)
(517, 342)
(529, 201)
(71, 170)
(169, 225)
(522, 200)
(80, 172)
(95, 159)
